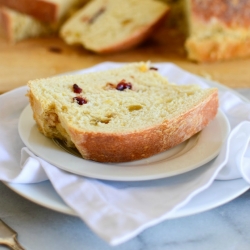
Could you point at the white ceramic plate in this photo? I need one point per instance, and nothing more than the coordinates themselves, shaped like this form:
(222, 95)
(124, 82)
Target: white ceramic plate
(187, 156)
(219, 193)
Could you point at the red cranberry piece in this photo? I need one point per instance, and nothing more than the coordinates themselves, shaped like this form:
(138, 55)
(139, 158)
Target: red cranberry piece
(153, 68)
(123, 85)
(80, 100)
(77, 89)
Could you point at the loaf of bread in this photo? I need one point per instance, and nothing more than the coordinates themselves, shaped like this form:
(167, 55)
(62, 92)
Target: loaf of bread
(218, 30)
(105, 26)
(122, 114)
(50, 11)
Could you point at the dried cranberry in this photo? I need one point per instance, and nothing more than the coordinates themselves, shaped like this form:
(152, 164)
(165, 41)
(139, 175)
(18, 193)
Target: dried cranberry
(123, 85)
(80, 100)
(77, 89)
(96, 15)
(153, 68)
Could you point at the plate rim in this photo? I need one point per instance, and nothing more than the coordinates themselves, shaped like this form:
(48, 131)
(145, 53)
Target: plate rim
(151, 172)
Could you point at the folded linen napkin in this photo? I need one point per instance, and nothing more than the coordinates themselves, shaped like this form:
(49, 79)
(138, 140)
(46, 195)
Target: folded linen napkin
(118, 211)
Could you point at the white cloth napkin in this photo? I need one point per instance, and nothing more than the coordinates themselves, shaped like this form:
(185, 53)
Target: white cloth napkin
(118, 211)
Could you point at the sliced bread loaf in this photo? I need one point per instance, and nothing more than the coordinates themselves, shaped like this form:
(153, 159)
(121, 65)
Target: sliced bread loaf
(105, 26)
(121, 114)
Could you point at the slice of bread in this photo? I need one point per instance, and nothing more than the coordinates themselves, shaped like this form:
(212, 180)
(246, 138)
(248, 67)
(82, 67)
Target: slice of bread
(16, 26)
(218, 30)
(44, 10)
(106, 26)
(146, 116)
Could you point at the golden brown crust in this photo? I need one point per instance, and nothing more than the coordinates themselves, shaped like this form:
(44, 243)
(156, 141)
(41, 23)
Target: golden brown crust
(45, 11)
(110, 147)
(135, 38)
(232, 13)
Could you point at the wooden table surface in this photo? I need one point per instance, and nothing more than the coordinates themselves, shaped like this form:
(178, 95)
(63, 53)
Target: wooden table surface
(44, 57)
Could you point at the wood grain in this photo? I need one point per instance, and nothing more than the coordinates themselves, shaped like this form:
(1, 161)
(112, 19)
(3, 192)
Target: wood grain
(45, 57)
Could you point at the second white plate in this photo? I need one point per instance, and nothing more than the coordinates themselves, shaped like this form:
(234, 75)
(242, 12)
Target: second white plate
(220, 192)
(187, 156)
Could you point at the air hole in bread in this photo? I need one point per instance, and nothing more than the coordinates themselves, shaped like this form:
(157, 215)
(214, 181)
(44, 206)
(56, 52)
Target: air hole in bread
(95, 122)
(104, 120)
(168, 100)
(126, 21)
(64, 109)
(134, 107)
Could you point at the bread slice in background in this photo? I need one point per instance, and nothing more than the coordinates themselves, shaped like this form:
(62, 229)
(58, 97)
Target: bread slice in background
(120, 126)
(106, 26)
(17, 26)
(50, 11)
(218, 30)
